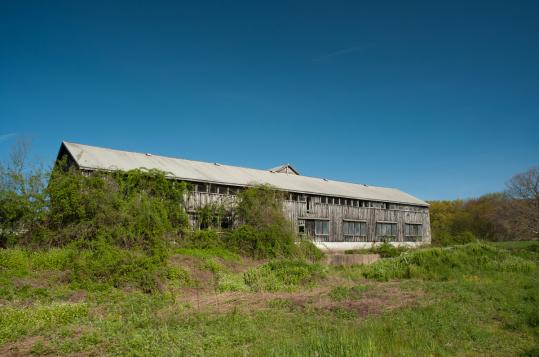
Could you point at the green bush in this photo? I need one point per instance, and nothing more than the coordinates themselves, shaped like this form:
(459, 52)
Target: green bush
(17, 322)
(446, 263)
(283, 275)
(448, 239)
(101, 262)
(307, 250)
(264, 231)
(203, 239)
(128, 209)
(272, 241)
(387, 250)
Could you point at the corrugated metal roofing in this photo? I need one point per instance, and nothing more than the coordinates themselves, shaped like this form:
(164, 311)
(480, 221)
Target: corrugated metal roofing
(97, 158)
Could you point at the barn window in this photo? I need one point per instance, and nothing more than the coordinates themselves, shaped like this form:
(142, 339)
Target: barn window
(293, 196)
(232, 190)
(386, 229)
(223, 190)
(302, 198)
(355, 229)
(321, 228)
(214, 189)
(202, 187)
(413, 230)
(323, 199)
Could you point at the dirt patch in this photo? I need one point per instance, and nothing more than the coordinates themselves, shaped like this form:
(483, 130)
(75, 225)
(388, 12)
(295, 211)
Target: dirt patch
(78, 296)
(379, 297)
(35, 283)
(25, 347)
(43, 280)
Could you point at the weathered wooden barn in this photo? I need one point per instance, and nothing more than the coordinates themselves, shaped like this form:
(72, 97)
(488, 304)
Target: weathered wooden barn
(336, 215)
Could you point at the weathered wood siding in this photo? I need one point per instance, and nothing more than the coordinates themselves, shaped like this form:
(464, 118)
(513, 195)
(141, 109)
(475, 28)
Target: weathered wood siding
(297, 213)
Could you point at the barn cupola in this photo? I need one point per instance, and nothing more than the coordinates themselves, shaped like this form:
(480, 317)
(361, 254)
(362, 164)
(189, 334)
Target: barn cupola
(285, 169)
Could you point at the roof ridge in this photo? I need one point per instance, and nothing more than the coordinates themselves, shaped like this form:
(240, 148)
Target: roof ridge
(260, 172)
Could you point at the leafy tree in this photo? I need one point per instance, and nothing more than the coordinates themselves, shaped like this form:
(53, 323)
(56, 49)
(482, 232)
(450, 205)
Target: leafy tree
(523, 192)
(23, 200)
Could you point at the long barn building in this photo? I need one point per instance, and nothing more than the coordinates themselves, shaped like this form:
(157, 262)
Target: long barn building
(336, 215)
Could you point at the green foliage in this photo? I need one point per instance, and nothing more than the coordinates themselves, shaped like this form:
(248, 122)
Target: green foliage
(266, 242)
(387, 250)
(261, 206)
(283, 275)
(481, 310)
(22, 321)
(447, 239)
(203, 239)
(307, 250)
(213, 215)
(446, 263)
(129, 209)
(264, 231)
(22, 197)
(339, 293)
(101, 262)
(459, 221)
(231, 282)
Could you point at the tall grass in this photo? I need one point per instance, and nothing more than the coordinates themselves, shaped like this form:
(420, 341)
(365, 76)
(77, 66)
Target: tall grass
(446, 263)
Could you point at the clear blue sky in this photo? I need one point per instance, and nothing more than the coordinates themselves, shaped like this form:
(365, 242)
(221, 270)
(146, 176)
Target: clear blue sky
(439, 99)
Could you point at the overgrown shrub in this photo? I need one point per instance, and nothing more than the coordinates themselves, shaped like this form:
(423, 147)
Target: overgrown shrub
(264, 231)
(307, 250)
(202, 239)
(447, 238)
(265, 242)
(446, 263)
(129, 209)
(387, 250)
(283, 275)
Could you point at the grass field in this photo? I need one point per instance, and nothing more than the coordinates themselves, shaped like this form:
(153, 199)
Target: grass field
(471, 300)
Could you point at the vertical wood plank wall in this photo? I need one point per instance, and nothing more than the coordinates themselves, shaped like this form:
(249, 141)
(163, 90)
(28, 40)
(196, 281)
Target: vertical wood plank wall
(335, 214)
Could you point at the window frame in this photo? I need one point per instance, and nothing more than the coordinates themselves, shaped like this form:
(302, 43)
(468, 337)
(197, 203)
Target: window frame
(316, 227)
(353, 222)
(393, 224)
(408, 225)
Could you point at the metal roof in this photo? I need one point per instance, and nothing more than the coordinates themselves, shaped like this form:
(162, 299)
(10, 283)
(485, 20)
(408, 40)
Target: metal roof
(97, 158)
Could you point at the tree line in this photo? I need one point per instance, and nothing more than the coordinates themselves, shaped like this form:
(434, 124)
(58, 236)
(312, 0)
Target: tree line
(509, 215)
(53, 206)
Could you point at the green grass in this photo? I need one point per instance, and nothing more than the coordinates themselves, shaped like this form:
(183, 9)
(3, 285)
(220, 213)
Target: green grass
(470, 300)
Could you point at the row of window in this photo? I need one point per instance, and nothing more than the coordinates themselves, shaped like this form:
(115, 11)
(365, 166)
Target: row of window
(359, 229)
(231, 190)
(340, 201)
(218, 189)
